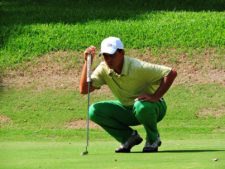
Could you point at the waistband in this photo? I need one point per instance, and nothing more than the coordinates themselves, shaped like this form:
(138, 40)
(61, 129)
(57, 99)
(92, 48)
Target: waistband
(161, 99)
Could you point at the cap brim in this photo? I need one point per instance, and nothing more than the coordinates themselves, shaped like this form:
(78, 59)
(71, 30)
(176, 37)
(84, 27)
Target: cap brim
(110, 51)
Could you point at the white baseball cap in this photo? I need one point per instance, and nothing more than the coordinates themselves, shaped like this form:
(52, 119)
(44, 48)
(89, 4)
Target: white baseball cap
(110, 45)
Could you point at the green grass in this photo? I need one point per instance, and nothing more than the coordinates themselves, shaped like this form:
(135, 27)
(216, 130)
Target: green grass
(32, 28)
(176, 154)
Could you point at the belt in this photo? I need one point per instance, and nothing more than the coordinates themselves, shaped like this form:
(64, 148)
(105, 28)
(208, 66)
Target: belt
(161, 99)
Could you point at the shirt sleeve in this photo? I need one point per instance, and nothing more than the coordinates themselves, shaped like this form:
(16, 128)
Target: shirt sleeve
(97, 77)
(154, 73)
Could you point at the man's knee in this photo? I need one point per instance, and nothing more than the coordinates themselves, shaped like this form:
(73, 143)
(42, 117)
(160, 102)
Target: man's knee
(93, 111)
(144, 108)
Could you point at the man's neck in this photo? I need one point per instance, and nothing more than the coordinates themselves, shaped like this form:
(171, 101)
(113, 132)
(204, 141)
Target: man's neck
(119, 68)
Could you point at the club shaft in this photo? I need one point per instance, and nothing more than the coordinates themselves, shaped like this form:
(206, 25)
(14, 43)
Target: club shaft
(88, 114)
(88, 81)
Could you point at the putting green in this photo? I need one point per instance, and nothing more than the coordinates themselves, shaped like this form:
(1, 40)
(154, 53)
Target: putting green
(205, 154)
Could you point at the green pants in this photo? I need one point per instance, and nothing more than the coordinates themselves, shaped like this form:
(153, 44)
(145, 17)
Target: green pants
(116, 118)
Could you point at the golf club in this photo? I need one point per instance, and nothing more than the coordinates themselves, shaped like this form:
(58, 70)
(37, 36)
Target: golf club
(88, 81)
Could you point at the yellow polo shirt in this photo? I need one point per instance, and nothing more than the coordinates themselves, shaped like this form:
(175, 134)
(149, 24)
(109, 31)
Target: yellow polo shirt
(137, 77)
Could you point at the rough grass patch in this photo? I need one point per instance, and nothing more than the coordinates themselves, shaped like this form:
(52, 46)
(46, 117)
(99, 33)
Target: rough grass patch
(4, 120)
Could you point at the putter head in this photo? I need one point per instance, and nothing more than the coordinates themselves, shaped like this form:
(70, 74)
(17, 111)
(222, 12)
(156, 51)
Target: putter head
(84, 153)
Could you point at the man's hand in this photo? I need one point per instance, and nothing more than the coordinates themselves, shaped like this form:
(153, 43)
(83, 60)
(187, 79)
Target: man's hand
(83, 79)
(91, 51)
(146, 97)
(165, 84)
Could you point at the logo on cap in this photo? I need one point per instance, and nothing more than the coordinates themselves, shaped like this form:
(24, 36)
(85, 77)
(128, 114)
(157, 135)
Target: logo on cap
(109, 45)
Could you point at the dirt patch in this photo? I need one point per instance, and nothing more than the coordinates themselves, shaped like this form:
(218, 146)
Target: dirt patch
(189, 75)
(63, 69)
(193, 67)
(55, 70)
(211, 112)
(81, 124)
(4, 120)
(52, 70)
(220, 130)
(1, 77)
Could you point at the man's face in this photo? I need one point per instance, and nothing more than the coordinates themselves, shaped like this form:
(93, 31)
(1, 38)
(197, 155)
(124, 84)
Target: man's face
(114, 60)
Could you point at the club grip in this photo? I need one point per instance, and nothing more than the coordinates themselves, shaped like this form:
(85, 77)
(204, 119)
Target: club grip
(88, 68)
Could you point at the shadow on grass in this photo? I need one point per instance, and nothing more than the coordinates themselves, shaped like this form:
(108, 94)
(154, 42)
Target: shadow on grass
(180, 151)
(70, 12)
(26, 12)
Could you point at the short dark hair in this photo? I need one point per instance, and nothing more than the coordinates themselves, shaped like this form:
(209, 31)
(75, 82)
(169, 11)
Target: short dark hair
(119, 50)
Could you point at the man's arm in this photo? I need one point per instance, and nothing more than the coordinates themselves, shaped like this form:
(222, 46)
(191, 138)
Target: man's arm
(83, 79)
(163, 88)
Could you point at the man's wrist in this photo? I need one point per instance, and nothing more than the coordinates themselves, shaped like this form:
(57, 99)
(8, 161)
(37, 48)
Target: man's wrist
(155, 98)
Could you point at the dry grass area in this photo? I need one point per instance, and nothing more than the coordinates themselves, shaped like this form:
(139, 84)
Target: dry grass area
(49, 71)
(62, 69)
(211, 112)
